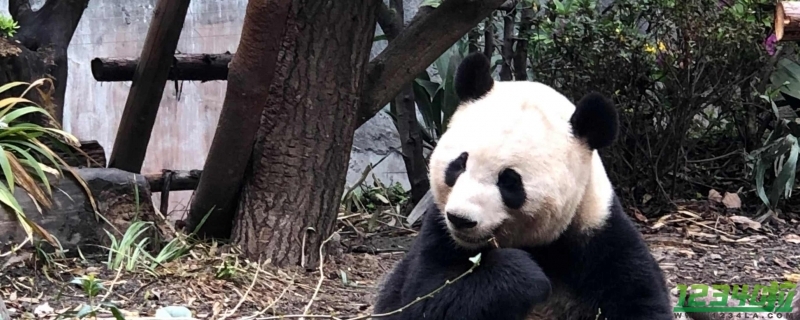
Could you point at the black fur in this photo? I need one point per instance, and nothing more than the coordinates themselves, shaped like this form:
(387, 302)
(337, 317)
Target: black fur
(504, 286)
(595, 120)
(455, 169)
(509, 182)
(473, 77)
(610, 269)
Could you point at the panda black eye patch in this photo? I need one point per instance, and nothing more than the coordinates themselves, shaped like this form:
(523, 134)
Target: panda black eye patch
(511, 189)
(455, 169)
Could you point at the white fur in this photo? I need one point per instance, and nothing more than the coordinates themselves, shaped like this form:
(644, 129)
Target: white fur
(524, 126)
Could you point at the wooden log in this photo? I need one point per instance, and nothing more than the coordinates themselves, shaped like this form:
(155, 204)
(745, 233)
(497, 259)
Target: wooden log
(94, 157)
(787, 21)
(149, 79)
(181, 180)
(186, 67)
(71, 219)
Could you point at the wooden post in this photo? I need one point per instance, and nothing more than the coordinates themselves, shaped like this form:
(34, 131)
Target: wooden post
(787, 21)
(149, 80)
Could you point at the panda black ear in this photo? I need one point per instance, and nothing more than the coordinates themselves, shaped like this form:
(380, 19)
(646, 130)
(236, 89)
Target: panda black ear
(595, 121)
(473, 77)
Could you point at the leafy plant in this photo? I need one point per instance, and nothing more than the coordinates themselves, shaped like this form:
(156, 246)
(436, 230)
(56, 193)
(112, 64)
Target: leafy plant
(92, 287)
(25, 161)
(130, 251)
(435, 96)
(683, 75)
(780, 150)
(8, 26)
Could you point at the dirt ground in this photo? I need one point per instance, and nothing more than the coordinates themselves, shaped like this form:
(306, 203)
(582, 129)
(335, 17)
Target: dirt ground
(698, 243)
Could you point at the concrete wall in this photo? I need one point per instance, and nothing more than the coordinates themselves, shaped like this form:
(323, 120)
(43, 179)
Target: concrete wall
(189, 112)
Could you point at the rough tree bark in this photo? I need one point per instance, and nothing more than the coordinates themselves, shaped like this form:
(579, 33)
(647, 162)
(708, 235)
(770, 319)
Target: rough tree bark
(429, 34)
(292, 192)
(251, 70)
(49, 31)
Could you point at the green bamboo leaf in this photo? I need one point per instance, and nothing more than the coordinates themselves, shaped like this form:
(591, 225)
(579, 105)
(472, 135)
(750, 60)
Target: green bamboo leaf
(451, 100)
(761, 169)
(423, 100)
(436, 111)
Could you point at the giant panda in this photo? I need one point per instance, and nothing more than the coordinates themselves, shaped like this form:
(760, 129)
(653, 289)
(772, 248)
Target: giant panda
(517, 178)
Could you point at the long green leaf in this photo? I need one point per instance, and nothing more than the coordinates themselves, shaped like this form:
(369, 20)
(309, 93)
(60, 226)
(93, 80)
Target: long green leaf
(13, 115)
(761, 169)
(451, 100)
(786, 173)
(35, 165)
(7, 172)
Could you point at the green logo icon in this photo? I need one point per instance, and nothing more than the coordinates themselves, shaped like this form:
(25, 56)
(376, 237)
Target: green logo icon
(773, 297)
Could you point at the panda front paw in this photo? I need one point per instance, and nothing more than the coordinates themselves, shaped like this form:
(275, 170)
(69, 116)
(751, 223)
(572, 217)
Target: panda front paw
(521, 276)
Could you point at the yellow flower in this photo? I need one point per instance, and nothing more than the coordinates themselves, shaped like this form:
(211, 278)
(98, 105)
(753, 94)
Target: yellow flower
(662, 46)
(617, 30)
(649, 48)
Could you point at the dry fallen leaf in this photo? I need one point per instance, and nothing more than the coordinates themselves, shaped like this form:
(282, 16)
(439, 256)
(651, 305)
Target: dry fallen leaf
(792, 238)
(781, 263)
(43, 310)
(639, 216)
(746, 222)
(689, 213)
(793, 277)
(751, 238)
(732, 201)
(660, 222)
(714, 196)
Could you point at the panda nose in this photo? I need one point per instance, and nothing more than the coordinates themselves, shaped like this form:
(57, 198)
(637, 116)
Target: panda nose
(460, 222)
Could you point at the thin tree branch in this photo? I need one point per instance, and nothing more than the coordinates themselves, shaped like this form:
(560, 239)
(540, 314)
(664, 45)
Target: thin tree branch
(388, 21)
(509, 20)
(488, 37)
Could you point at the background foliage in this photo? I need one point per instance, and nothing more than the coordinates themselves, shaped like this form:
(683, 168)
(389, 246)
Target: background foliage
(707, 99)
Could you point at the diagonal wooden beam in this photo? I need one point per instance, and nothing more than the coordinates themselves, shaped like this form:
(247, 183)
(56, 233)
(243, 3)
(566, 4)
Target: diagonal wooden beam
(149, 79)
(424, 39)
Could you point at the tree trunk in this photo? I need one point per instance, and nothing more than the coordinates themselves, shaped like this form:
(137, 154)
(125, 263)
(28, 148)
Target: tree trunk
(488, 37)
(405, 109)
(255, 62)
(508, 44)
(291, 195)
(521, 51)
(411, 143)
(49, 31)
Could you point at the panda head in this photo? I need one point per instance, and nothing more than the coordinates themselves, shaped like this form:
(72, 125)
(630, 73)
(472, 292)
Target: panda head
(518, 162)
